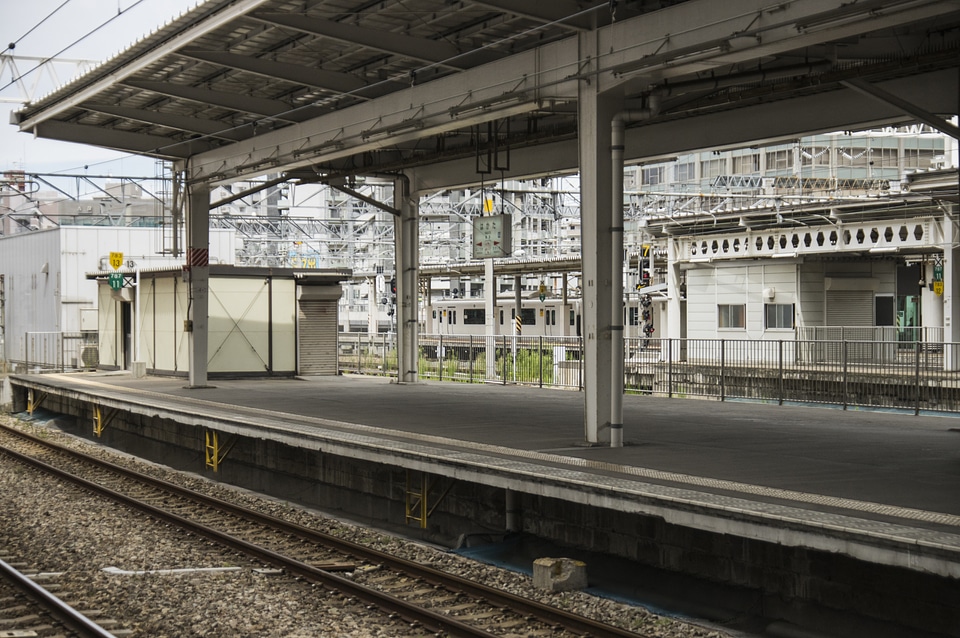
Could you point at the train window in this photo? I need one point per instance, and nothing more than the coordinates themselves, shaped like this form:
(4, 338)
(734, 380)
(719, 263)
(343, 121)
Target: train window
(501, 317)
(529, 316)
(474, 316)
(573, 317)
(434, 314)
(453, 316)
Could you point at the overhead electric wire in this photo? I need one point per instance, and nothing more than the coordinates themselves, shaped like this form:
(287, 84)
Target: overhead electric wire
(72, 44)
(13, 45)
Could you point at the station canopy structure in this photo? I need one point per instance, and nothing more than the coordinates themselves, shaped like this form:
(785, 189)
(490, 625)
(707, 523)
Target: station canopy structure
(455, 93)
(337, 88)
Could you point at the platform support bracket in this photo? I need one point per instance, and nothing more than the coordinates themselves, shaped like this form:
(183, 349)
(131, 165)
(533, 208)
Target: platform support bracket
(416, 498)
(34, 400)
(215, 453)
(102, 418)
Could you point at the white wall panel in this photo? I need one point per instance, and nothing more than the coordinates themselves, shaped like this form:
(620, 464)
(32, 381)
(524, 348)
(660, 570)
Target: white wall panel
(239, 338)
(284, 325)
(110, 341)
(181, 338)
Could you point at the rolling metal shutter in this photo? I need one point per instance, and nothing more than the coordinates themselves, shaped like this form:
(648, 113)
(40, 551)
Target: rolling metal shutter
(850, 308)
(317, 330)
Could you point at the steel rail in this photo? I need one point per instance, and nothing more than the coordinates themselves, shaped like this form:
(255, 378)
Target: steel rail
(387, 603)
(64, 614)
(544, 613)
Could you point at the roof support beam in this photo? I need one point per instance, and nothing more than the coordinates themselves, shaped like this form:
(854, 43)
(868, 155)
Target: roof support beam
(363, 198)
(875, 92)
(760, 124)
(305, 76)
(430, 51)
(233, 101)
(566, 12)
(249, 191)
(186, 123)
(119, 140)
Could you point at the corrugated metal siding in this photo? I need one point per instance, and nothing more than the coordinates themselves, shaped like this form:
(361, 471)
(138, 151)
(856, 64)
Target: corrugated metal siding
(32, 297)
(317, 327)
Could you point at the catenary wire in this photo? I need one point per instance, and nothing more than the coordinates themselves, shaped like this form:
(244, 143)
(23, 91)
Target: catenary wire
(13, 45)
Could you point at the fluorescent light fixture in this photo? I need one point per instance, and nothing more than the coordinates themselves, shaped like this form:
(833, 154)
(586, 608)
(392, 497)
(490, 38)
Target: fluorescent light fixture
(489, 103)
(405, 125)
(329, 145)
(783, 255)
(883, 249)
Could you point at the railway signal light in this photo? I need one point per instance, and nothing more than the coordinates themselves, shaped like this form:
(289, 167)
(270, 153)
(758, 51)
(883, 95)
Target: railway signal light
(393, 286)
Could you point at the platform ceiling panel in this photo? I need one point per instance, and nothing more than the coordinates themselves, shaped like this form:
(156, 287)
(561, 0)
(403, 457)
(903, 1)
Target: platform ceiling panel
(324, 89)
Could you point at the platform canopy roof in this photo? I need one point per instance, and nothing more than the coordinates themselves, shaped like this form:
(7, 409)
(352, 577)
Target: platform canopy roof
(463, 90)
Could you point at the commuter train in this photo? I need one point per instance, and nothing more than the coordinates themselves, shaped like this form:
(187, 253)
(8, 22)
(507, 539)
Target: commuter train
(548, 318)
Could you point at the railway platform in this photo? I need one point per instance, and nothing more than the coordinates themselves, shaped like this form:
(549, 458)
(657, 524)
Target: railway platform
(877, 490)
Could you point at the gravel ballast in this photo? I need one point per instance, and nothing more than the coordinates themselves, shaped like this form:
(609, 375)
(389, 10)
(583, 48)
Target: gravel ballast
(54, 527)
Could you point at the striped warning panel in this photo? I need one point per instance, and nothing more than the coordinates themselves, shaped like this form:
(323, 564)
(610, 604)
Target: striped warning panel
(198, 257)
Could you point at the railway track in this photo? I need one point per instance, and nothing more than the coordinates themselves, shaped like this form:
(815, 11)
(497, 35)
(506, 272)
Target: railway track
(423, 597)
(28, 609)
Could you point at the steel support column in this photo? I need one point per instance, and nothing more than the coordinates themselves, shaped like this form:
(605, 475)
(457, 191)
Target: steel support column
(407, 238)
(674, 302)
(198, 269)
(951, 288)
(594, 115)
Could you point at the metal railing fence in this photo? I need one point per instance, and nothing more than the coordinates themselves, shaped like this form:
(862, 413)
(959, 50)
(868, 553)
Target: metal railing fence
(908, 375)
(57, 351)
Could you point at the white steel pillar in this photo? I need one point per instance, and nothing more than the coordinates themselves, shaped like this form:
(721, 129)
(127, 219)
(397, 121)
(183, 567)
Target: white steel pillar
(197, 267)
(490, 326)
(595, 113)
(951, 289)
(407, 242)
(674, 315)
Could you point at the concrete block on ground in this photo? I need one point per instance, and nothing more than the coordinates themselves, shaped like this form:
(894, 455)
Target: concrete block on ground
(559, 574)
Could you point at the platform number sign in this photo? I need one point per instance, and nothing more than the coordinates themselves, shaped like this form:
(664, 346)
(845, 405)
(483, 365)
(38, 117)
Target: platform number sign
(116, 260)
(115, 280)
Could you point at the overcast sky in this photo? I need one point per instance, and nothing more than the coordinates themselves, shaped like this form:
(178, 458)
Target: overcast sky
(88, 24)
